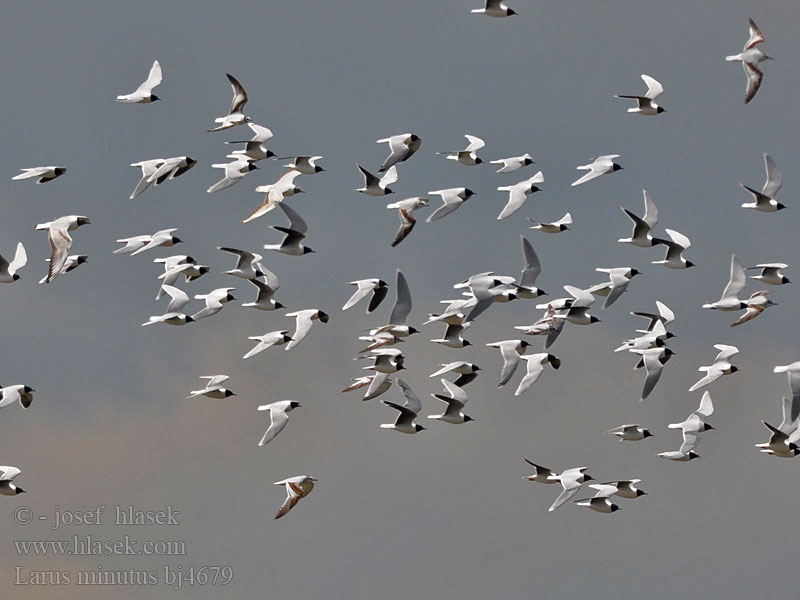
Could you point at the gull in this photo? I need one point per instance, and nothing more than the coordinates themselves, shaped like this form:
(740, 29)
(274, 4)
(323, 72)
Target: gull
(771, 273)
(535, 367)
(750, 56)
(630, 433)
(296, 488)
(540, 474)
(654, 338)
(379, 340)
(376, 385)
(456, 400)
(721, 366)
(275, 193)
(144, 93)
(234, 172)
(148, 167)
(405, 208)
(570, 481)
(577, 307)
(247, 265)
(620, 278)
(452, 198)
(696, 421)
(141, 243)
(303, 322)
(653, 359)
(235, 115)
(686, 451)
(266, 289)
(484, 290)
(268, 340)
(408, 412)
(387, 360)
(452, 335)
(555, 226)
(60, 241)
(304, 164)
(599, 503)
(765, 199)
(7, 486)
(189, 270)
(665, 315)
(255, 149)
(494, 8)
(513, 163)
(600, 166)
(756, 304)
(214, 301)
(170, 168)
(526, 288)
(549, 325)
(646, 105)
(278, 418)
(517, 194)
(72, 263)
(45, 174)
(375, 186)
(624, 488)
(511, 351)
(642, 227)
(674, 258)
(467, 371)
(730, 295)
(173, 316)
(793, 372)
(402, 306)
(214, 388)
(294, 234)
(378, 288)
(16, 393)
(8, 270)
(780, 443)
(401, 148)
(468, 155)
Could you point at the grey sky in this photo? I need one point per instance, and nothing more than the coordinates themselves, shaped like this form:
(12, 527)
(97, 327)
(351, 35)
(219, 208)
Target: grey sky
(443, 514)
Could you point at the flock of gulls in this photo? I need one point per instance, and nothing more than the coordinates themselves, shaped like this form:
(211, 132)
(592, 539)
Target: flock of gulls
(473, 296)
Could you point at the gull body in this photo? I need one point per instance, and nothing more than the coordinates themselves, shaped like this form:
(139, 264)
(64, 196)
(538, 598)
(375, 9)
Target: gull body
(8, 270)
(235, 115)
(556, 226)
(44, 174)
(468, 156)
(268, 340)
(214, 388)
(750, 56)
(405, 209)
(60, 241)
(646, 104)
(279, 417)
(601, 165)
(144, 93)
(517, 194)
(296, 488)
(401, 148)
(513, 163)
(303, 321)
(730, 295)
(722, 366)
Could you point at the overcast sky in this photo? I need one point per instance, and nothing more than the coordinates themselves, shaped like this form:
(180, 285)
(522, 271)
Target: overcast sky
(443, 514)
